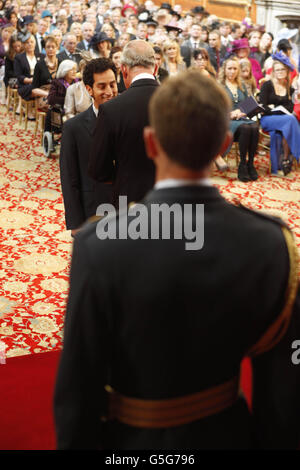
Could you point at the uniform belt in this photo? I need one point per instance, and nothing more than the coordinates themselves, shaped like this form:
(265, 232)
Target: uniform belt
(174, 411)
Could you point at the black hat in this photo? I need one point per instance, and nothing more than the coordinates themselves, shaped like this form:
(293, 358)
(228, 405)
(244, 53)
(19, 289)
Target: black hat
(100, 37)
(171, 27)
(283, 45)
(166, 6)
(151, 22)
(198, 9)
(28, 19)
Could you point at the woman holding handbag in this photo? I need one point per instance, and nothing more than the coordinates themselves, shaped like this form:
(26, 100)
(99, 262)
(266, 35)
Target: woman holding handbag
(45, 71)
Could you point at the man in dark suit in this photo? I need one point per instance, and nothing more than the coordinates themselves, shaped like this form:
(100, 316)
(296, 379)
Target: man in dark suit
(215, 50)
(69, 52)
(118, 152)
(209, 283)
(77, 187)
(87, 34)
(193, 43)
(39, 37)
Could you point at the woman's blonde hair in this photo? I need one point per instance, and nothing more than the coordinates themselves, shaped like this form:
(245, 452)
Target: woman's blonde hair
(288, 78)
(166, 46)
(105, 27)
(73, 26)
(249, 82)
(222, 72)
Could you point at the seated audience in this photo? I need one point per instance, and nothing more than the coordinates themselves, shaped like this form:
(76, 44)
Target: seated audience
(244, 130)
(283, 128)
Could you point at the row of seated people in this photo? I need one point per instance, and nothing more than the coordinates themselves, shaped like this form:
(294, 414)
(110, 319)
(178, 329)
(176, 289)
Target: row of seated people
(49, 78)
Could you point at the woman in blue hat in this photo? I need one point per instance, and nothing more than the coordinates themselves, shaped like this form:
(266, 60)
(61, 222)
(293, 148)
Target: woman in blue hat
(278, 119)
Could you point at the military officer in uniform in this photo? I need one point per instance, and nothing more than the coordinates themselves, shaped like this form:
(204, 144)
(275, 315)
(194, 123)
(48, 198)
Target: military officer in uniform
(155, 332)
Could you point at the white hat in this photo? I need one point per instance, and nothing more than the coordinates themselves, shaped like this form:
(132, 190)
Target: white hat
(284, 33)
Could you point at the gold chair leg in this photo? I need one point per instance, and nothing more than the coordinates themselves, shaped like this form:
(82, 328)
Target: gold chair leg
(36, 123)
(15, 103)
(8, 99)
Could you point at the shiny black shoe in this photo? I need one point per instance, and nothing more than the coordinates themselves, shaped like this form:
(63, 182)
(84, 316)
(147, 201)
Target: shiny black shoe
(243, 174)
(252, 172)
(286, 166)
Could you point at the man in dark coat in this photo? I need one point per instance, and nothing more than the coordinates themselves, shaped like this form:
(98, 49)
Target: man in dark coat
(216, 51)
(118, 152)
(77, 187)
(164, 307)
(69, 52)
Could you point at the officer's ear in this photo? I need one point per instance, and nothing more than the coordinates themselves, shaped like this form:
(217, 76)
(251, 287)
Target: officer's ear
(151, 142)
(89, 90)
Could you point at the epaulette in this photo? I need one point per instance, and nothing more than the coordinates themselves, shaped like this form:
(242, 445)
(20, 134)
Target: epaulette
(263, 215)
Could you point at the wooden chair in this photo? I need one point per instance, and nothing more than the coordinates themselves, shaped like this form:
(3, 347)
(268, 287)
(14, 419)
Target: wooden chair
(40, 119)
(234, 149)
(25, 107)
(12, 100)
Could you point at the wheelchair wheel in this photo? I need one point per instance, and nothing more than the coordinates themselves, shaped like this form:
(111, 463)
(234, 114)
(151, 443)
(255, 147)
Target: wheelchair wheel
(47, 143)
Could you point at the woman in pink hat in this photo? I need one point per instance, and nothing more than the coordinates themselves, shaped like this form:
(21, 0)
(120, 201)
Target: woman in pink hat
(241, 49)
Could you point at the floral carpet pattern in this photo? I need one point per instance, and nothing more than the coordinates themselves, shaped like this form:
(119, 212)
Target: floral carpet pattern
(35, 248)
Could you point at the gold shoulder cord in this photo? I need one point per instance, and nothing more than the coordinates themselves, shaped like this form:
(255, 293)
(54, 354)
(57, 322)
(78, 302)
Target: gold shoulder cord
(278, 329)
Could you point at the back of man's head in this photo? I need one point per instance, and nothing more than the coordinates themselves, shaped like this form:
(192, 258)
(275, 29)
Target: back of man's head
(138, 53)
(190, 117)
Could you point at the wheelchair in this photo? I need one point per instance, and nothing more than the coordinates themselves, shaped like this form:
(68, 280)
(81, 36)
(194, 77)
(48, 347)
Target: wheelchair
(51, 139)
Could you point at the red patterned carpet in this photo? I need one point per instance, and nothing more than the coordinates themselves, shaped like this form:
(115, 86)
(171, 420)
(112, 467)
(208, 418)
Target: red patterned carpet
(35, 261)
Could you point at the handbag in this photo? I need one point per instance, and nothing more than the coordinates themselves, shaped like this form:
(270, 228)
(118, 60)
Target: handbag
(42, 101)
(13, 83)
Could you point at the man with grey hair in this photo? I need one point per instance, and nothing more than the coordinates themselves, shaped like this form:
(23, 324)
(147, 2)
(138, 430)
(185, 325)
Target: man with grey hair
(87, 34)
(118, 153)
(69, 52)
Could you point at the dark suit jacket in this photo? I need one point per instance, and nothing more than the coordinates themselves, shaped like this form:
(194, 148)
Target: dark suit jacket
(38, 51)
(187, 49)
(77, 187)
(21, 67)
(81, 46)
(119, 137)
(41, 74)
(64, 56)
(176, 323)
(213, 57)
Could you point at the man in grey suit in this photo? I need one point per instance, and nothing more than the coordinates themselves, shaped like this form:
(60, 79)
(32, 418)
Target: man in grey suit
(77, 187)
